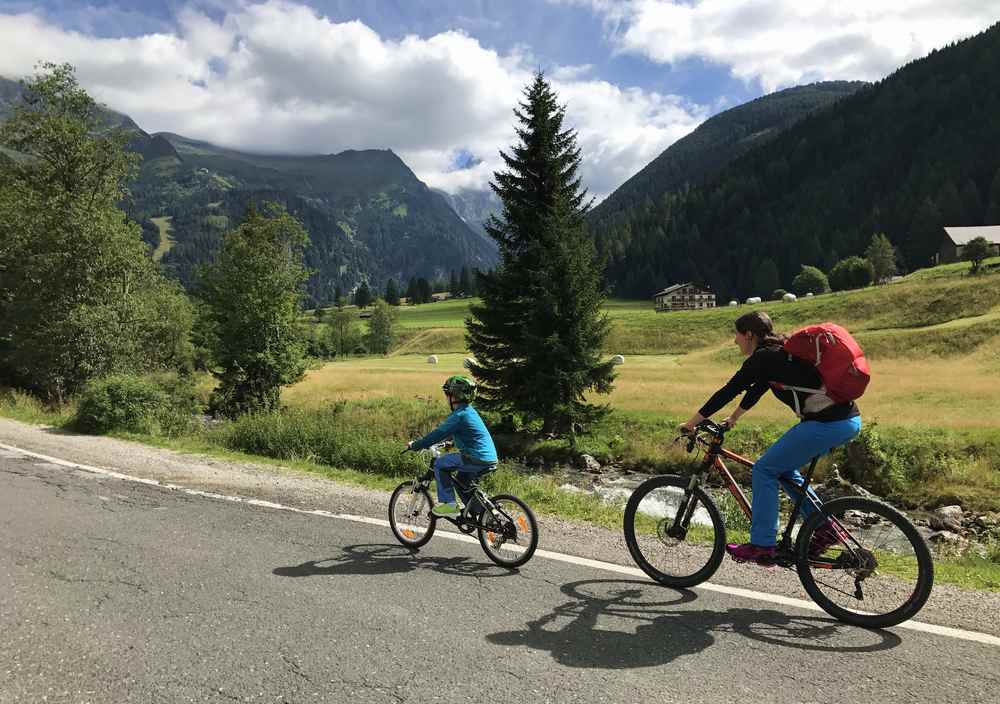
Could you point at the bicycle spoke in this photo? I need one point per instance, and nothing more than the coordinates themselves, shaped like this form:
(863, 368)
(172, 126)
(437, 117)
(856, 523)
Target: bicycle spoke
(666, 550)
(881, 576)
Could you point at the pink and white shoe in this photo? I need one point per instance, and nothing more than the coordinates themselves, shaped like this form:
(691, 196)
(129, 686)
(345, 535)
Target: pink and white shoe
(763, 556)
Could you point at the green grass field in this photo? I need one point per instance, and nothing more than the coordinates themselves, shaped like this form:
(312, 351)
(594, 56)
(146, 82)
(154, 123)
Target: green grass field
(166, 241)
(933, 340)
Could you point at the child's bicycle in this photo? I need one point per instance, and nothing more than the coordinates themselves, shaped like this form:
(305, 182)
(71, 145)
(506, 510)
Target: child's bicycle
(868, 567)
(506, 525)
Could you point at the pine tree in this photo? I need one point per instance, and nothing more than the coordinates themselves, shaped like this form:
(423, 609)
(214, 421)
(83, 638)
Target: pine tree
(338, 296)
(425, 293)
(412, 292)
(453, 283)
(882, 256)
(392, 293)
(363, 296)
(538, 332)
(465, 282)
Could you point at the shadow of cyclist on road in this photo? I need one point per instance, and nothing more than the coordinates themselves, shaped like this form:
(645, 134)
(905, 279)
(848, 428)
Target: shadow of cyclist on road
(616, 624)
(375, 559)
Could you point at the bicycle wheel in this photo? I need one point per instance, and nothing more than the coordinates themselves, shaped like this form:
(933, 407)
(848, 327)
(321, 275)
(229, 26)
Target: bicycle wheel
(877, 576)
(509, 537)
(681, 560)
(410, 515)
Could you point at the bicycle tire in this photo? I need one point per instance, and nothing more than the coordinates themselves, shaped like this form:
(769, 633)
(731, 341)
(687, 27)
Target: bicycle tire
(912, 599)
(523, 525)
(635, 543)
(409, 534)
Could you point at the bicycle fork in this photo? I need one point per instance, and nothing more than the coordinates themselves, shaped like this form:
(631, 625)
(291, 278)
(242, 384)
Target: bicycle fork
(686, 510)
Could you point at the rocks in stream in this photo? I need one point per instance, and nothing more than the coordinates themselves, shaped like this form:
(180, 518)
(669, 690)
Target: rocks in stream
(947, 518)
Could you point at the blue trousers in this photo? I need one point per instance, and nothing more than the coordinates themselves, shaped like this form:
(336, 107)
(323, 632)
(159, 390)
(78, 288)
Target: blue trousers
(781, 463)
(453, 461)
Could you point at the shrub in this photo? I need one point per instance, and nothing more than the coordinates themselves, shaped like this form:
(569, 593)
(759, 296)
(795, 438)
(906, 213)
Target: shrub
(778, 294)
(810, 280)
(157, 405)
(975, 252)
(853, 272)
(120, 402)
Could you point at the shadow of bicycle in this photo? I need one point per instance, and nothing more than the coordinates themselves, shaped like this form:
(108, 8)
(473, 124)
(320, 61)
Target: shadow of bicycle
(617, 624)
(376, 559)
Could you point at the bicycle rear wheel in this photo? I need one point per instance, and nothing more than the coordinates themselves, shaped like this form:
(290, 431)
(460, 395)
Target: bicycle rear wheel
(676, 559)
(876, 575)
(510, 537)
(410, 516)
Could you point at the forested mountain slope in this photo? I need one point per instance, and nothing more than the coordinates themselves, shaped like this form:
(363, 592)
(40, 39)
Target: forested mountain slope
(905, 156)
(715, 143)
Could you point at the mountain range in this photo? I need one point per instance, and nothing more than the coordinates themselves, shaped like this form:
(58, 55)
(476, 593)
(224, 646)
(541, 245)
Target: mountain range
(803, 176)
(368, 216)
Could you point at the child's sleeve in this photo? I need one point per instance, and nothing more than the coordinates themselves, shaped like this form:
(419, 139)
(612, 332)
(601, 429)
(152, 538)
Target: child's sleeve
(443, 431)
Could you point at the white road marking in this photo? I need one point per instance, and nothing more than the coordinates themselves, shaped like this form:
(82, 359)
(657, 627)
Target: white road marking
(947, 631)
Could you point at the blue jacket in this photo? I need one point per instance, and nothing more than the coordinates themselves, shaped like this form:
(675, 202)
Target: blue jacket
(469, 433)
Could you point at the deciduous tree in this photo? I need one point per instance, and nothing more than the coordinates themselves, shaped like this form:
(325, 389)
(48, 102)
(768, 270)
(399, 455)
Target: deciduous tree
(381, 328)
(976, 251)
(254, 290)
(79, 297)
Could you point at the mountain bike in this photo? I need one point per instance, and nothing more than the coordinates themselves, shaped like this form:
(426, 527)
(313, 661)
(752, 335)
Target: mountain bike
(859, 559)
(506, 526)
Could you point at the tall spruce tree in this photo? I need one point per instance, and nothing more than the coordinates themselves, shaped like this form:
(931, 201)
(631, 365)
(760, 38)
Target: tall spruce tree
(537, 334)
(392, 293)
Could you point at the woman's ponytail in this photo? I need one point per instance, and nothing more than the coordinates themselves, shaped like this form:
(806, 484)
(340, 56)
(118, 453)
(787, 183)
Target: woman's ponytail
(759, 323)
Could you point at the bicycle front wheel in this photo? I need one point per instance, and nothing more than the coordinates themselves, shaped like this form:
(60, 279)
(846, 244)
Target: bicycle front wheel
(671, 556)
(410, 516)
(509, 535)
(876, 571)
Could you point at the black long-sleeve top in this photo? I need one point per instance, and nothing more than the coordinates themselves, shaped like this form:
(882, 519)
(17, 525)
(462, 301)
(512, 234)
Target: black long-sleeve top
(773, 364)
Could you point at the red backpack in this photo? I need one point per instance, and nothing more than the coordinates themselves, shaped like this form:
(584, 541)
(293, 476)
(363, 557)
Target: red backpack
(837, 357)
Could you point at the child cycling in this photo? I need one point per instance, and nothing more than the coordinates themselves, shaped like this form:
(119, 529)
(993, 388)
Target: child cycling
(476, 452)
(824, 426)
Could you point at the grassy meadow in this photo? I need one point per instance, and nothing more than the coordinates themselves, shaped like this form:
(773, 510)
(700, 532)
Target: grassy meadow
(933, 339)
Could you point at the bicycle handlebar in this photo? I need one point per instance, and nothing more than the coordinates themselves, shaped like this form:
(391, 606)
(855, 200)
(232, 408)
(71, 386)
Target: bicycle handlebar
(707, 426)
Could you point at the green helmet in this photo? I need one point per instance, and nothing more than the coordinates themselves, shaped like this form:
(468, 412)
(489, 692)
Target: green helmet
(460, 388)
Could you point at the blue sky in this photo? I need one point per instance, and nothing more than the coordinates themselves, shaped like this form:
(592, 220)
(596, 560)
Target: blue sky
(435, 80)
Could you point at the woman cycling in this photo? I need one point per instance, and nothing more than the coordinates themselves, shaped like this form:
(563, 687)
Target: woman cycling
(824, 425)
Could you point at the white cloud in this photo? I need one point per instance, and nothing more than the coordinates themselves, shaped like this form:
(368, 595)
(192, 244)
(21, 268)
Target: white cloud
(277, 76)
(786, 42)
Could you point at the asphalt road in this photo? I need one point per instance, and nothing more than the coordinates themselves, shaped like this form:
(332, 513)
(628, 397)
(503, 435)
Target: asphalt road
(114, 591)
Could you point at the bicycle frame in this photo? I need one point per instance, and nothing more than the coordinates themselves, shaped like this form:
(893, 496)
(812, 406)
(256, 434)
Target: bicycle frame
(465, 522)
(713, 461)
